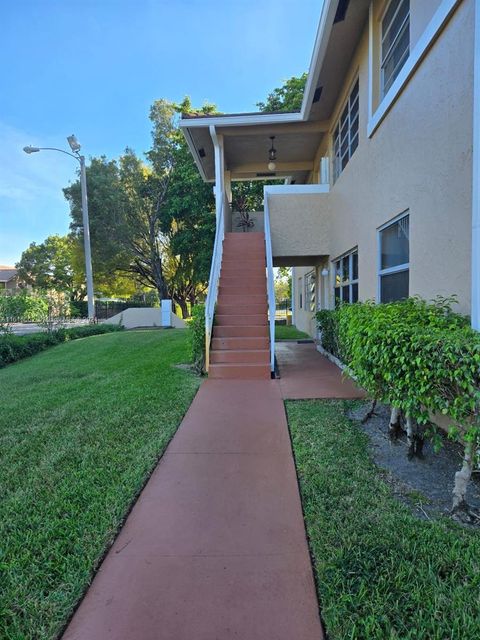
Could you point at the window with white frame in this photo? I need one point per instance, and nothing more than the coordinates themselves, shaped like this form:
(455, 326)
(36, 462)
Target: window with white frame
(346, 278)
(394, 259)
(310, 291)
(300, 295)
(345, 134)
(395, 47)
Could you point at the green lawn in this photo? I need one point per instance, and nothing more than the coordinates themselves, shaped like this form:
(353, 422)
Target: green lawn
(81, 427)
(381, 572)
(284, 332)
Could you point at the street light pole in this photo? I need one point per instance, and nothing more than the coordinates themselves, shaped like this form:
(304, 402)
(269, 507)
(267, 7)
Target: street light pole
(75, 147)
(86, 240)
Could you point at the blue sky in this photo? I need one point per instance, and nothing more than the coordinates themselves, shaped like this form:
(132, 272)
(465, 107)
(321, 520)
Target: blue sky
(94, 67)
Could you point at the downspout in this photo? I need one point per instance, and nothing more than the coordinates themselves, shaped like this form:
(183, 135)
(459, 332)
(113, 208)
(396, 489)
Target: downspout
(475, 175)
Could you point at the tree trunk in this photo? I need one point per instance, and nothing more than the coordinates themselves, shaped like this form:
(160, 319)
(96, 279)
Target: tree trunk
(183, 306)
(395, 426)
(462, 478)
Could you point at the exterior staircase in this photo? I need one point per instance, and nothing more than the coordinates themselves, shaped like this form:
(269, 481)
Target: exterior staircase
(240, 347)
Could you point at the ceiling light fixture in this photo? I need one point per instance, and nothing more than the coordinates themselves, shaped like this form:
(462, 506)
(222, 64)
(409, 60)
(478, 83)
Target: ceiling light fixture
(272, 156)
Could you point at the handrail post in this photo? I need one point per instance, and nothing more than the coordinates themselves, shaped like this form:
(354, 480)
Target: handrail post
(270, 284)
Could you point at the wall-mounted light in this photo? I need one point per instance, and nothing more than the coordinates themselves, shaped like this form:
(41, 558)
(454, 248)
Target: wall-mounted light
(272, 156)
(325, 272)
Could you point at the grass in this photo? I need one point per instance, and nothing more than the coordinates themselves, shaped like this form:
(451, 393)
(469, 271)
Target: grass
(381, 573)
(81, 427)
(284, 332)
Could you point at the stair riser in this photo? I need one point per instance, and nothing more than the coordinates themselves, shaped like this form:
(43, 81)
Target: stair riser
(239, 343)
(239, 372)
(242, 289)
(242, 271)
(240, 299)
(243, 309)
(238, 281)
(240, 263)
(240, 332)
(239, 357)
(241, 320)
(254, 243)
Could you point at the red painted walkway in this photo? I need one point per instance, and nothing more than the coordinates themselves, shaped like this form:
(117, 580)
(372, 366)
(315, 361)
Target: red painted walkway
(305, 374)
(215, 548)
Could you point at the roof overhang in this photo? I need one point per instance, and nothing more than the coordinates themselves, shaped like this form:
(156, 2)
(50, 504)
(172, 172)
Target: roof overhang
(297, 134)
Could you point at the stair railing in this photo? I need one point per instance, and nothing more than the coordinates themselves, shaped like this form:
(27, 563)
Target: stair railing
(215, 267)
(270, 280)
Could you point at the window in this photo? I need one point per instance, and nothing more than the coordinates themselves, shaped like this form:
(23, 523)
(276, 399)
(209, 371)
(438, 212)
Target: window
(310, 291)
(395, 41)
(346, 278)
(345, 136)
(300, 301)
(394, 260)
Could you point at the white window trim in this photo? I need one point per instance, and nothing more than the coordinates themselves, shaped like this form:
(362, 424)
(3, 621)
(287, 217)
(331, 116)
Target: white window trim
(306, 290)
(417, 54)
(392, 46)
(397, 268)
(350, 281)
(346, 102)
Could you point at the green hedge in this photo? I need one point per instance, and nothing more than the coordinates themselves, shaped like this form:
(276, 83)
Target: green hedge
(197, 337)
(23, 307)
(13, 348)
(419, 357)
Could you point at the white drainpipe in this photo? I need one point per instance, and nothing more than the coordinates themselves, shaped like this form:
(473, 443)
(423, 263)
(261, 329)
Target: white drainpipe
(475, 176)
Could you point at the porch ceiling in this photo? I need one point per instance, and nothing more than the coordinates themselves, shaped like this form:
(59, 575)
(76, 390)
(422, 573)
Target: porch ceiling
(246, 150)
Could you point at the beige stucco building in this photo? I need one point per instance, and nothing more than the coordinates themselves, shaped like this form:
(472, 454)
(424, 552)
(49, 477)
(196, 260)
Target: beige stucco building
(379, 196)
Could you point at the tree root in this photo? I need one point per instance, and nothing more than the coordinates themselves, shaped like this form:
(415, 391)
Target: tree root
(465, 514)
(395, 426)
(371, 413)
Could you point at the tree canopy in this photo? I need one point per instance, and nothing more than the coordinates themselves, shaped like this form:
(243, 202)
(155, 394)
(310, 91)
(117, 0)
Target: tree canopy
(288, 97)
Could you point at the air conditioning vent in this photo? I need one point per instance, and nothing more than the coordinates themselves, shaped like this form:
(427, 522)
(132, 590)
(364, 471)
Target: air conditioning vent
(341, 11)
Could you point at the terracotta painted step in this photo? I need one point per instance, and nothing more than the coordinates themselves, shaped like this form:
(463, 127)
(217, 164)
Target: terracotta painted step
(246, 308)
(243, 356)
(244, 258)
(240, 343)
(246, 288)
(235, 281)
(252, 242)
(240, 320)
(243, 270)
(229, 331)
(241, 236)
(240, 371)
(234, 263)
(239, 299)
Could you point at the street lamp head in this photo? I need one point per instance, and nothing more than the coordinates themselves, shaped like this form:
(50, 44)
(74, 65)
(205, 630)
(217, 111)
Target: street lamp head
(31, 149)
(74, 144)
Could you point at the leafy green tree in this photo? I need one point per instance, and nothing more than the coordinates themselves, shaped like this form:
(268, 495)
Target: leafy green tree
(50, 265)
(288, 97)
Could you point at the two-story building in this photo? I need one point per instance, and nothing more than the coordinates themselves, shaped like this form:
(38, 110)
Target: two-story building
(380, 197)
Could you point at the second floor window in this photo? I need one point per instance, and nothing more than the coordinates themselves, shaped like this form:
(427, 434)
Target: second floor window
(345, 136)
(346, 278)
(395, 41)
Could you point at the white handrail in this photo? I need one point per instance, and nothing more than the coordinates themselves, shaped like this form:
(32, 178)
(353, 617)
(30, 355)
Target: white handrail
(215, 267)
(270, 285)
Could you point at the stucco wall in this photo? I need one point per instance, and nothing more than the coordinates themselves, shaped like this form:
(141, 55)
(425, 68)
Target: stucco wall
(144, 317)
(418, 159)
(299, 224)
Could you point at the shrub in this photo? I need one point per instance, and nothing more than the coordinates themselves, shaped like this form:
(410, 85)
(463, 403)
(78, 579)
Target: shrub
(419, 357)
(14, 348)
(197, 337)
(23, 307)
(327, 321)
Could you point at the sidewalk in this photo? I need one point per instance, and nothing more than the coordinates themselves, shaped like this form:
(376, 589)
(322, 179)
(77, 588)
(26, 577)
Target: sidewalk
(215, 547)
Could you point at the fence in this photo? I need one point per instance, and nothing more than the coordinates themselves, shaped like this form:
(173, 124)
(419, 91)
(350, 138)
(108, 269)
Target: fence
(105, 309)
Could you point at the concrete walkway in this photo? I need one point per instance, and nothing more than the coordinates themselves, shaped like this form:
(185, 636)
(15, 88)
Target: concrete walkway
(215, 547)
(306, 374)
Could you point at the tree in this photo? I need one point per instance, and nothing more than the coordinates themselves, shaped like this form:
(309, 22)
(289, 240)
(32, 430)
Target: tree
(288, 97)
(106, 208)
(50, 265)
